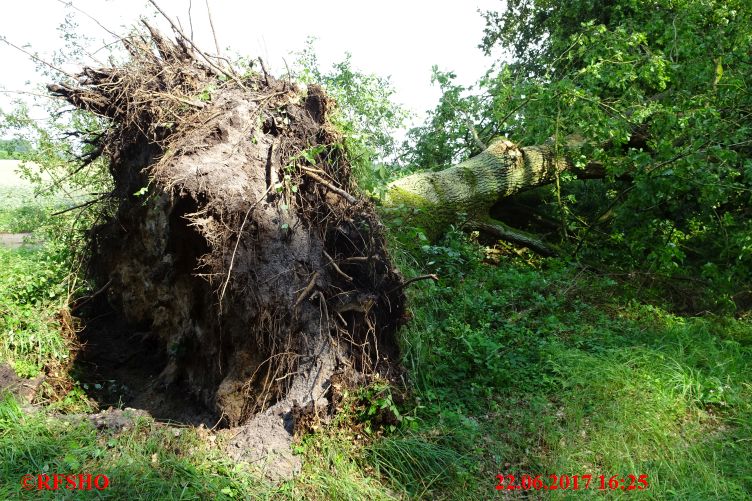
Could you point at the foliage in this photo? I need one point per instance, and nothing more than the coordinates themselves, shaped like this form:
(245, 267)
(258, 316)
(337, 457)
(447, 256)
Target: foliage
(455, 130)
(13, 148)
(366, 112)
(660, 93)
(32, 289)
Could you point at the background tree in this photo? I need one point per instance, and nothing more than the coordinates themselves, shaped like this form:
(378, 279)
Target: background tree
(660, 93)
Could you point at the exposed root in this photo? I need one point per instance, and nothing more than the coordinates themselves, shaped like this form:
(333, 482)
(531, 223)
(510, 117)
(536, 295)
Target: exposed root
(226, 263)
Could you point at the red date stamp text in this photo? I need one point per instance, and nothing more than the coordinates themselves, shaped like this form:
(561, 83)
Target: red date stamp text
(511, 482)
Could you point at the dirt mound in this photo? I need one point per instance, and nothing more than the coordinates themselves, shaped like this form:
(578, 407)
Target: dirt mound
(239, 251)
(23, 389)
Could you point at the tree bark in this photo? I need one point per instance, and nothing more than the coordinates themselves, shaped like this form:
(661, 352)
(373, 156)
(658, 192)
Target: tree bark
(464, 194)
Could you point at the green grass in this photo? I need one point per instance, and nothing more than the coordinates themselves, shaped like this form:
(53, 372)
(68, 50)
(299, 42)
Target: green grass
(152, 461)
(557, 371)
(512, 369)
(146, 462)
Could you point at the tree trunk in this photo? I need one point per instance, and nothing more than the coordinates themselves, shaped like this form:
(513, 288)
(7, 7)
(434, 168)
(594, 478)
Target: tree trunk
(464, 194)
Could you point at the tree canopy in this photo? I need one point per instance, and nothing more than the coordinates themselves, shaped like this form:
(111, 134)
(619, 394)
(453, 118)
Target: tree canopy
(658, 91)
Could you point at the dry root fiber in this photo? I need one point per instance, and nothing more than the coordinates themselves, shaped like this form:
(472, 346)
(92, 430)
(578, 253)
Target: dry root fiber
(249, 258)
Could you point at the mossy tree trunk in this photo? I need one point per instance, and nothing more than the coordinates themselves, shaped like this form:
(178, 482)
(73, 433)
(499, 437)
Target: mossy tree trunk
(464, 194)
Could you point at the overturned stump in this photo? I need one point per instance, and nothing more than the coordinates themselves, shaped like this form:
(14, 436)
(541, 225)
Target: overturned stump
(239, 246)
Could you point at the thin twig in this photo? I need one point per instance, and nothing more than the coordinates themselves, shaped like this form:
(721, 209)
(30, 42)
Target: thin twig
(476, 138)
(214, 33)
(35, 58)
(329, 185)
(27, 93)
(237, 242)
(514, 110)
(190, 18)
(336, 268)
(92, 296)
(70, 4)
(80, 206)
(263, 68)
(289, 75)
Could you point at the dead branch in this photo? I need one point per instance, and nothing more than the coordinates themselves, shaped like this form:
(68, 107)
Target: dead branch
(214, 33)
(80, 206)
(190, 18)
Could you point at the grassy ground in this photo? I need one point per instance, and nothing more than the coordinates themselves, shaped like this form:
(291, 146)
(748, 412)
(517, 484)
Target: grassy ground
(555, 371)
(515, 368)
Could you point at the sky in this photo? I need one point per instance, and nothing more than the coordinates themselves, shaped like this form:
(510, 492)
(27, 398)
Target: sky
(401, 39)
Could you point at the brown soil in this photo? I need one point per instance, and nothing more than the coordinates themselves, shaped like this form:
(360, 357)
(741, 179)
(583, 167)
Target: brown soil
(22, 389)
(121, 367)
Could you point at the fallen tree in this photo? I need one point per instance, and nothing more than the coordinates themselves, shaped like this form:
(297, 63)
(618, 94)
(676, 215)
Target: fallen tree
(240, 243)
(464, 194)
(237, 243)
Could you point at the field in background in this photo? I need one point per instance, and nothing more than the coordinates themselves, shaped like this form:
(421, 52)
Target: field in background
(21, 209)
(11, 178)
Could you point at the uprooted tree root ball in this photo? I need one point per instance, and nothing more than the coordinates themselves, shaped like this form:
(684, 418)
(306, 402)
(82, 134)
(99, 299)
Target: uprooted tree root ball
(239, 245)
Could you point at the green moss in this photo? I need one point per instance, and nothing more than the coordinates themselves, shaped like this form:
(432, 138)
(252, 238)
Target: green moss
(469, 178)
